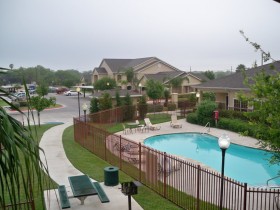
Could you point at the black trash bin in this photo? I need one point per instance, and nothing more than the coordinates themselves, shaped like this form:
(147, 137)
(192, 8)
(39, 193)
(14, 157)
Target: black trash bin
(111, 176)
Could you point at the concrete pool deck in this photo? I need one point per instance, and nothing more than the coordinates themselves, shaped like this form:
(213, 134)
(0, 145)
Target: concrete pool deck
(187, 127)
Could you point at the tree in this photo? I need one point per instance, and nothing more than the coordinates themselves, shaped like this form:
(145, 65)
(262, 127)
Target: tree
(265, 97)
(209, 74)
(154, 89)
(20, 162)
(94, 105)
(176, 82)
(131, 77)
(129, 109)
(105, 83)
(118, 99)
(40, 103)
(105, 102)
(166, 96)
(42, 90)
(142, 107)
(240, 67)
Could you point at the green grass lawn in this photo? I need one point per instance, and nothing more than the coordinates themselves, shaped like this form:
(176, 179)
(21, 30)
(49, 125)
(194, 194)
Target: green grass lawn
(3, 103)
(92, 165)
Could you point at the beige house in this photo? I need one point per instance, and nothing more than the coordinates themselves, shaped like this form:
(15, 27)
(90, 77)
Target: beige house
(227, 88)
(145, 68)
(189, 79)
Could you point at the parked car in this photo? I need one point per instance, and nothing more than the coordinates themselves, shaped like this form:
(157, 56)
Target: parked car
(60, 90)
(71, 93)
(18, 96)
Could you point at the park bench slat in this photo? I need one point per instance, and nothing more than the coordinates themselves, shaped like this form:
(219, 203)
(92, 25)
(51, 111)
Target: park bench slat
(101, 194)
(64, 200)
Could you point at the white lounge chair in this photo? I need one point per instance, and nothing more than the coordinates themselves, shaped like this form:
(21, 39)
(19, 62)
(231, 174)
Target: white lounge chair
(174, 122)
(126, 130)
(150, 125)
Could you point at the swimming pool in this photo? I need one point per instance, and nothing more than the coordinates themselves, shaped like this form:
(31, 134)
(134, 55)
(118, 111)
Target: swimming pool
(243, 164)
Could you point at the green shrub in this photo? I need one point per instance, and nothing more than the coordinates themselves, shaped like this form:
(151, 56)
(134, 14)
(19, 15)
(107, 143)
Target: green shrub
(22, 103)
(205, 112)
(233, 114)
(16, 104)
(192, 118)
(171, 107)
(209, 96)
(142, 107)
(155, 108)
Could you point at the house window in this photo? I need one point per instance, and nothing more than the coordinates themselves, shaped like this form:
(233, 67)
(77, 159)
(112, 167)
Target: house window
(119, 77)
(240, 105)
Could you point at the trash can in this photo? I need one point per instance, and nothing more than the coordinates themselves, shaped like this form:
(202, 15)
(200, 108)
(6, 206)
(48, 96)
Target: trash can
(111, 176)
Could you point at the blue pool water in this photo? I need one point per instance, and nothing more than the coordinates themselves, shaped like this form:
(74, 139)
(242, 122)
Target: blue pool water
(243, 164)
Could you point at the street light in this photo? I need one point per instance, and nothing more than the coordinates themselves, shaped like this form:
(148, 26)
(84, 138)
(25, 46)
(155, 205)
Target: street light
(78, 90)
(224, 142)
(84, 107)
(108, 85)
(140, 87)
(197, 97)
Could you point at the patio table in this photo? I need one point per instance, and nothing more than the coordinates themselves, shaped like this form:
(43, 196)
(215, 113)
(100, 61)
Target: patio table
(82, 187)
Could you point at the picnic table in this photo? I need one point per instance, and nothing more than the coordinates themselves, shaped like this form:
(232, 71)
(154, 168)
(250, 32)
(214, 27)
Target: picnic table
(82, 187)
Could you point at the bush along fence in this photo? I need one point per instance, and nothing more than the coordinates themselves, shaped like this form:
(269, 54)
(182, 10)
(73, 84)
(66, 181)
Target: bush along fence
(186, 184)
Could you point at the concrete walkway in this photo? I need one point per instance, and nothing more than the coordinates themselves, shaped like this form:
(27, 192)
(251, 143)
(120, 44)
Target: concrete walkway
(60, 169)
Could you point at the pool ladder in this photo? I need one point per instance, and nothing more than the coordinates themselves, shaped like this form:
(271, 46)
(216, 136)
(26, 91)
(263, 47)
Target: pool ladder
(208, 129)
(271, 186)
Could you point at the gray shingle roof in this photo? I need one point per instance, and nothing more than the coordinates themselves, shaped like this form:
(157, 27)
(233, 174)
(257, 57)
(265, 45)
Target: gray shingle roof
(163, 76)
(235, 80)
(117, 65)
(101, 70)
(122, 93)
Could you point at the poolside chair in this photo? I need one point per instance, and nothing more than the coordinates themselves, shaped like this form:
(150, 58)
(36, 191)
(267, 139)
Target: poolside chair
(126, 130)
(141, 127)
(174, 122)
(150, 125)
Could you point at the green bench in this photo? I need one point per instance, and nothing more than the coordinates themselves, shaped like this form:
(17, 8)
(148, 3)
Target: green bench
(101, 194)
(64, 200)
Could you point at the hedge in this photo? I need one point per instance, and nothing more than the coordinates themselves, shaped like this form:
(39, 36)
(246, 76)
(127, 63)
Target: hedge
(155, 108)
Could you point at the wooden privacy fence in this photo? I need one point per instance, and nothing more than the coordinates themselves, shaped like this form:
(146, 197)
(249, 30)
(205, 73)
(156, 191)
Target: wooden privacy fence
(186, 184)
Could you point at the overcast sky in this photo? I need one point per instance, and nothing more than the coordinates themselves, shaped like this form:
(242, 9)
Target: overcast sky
(78, 34)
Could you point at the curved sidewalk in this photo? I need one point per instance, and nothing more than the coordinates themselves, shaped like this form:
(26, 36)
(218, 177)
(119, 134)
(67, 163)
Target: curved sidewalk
(60, 168)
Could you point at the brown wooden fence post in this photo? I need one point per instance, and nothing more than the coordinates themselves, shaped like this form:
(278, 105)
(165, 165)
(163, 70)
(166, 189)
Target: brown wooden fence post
(198, 187)
(120, 152)
(245, 197)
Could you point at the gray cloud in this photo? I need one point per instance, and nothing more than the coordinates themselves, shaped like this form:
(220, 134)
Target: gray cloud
(204, 34)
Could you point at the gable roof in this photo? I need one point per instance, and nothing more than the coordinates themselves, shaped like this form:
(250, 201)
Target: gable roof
(199, 76)
(101, 70)
(132, 93)
(119, 65)
(235, 81)
(164, 76)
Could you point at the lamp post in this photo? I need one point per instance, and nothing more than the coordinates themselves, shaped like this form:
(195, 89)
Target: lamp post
(140, 87)
(108, 84)
(224, 142)
(84, 107)
(197, 97)
(78, 90)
